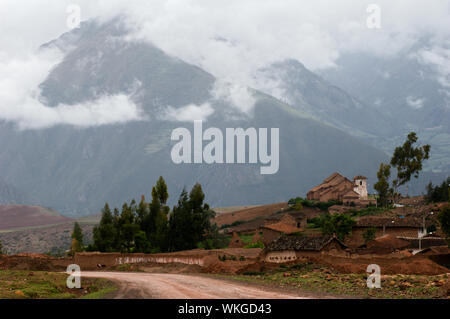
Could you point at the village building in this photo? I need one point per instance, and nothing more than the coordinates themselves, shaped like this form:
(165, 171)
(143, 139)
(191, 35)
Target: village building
(436, 250)
(236, 241)
(416, 243)
(295, 218)
(410, 227)
(339, 188)
(292, 248)
(384, 245)
(274, 231)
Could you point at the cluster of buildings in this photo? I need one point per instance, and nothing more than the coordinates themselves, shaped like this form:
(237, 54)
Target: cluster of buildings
(285, 240)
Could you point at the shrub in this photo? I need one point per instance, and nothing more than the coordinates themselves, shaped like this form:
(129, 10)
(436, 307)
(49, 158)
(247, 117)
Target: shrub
(339, 225)
(369, 234)
(234, 224)
(313, 204)
(308, 266)
(258, 244)
(254, 273)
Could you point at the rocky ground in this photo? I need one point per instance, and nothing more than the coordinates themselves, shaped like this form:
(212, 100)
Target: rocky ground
(54, 239)
(321, 279)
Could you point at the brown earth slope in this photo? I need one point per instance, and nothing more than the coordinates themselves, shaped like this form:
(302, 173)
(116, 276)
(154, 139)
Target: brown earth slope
(249, 213)
(21, 216)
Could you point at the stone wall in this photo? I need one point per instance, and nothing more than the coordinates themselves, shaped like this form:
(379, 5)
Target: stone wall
(100, 260)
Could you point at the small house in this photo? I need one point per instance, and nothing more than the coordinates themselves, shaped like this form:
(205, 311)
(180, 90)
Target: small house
(291, 248)
(272, 232)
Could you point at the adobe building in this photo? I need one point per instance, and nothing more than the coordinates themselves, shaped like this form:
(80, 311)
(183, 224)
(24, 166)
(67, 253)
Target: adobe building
(296, 219)
(292, 248)
(407, 227)
(272, 232)
(338, 187)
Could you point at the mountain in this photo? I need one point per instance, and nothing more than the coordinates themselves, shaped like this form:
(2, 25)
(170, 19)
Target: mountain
(410, 87)
(9, 194)
(77, 170)
(308, 92)
(21, 216)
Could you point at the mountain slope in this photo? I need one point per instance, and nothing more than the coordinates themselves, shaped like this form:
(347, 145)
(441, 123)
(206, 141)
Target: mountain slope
(406, 87)
(308, 92)
(21, 216)
(77, 170)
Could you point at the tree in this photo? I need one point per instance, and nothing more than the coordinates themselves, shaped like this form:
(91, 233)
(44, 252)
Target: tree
(444, 221)
(382, 185)
(142, 245)
(161, 190)
(105, 234)
(190, 221)
(78, 235)
(438, 193)
(142, 213)
(339, 225)
(75, 247)
(408, 160)
(298, 206)
(369, 234)
(179, 222)
(1, 248)
(127, 227)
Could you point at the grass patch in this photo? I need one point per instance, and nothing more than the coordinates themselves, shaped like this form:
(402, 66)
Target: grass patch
(246, 238)
(49, 285)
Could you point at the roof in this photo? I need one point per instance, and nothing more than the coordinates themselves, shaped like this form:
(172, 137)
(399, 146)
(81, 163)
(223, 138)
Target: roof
(256, 224)
(425, 242)
(411, 222)
(436, 250)
(351, 194)
(333, 180)
(412, 201)
(359, 177)
(332, 176)
(302, 243)
(388, 241)
(294, 214)
(248, 226)
(282, 228)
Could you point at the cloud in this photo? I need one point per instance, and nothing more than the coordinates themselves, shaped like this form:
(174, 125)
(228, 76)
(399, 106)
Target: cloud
(439, 58)
(238, 96)
(415, 103)
(188, 113)
(234, 39)
(20, 98)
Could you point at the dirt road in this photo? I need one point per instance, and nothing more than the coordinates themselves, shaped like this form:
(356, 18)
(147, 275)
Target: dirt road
(175, 286)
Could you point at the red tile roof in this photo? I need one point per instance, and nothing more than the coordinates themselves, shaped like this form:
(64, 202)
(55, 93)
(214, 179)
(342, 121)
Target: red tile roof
(283, 228)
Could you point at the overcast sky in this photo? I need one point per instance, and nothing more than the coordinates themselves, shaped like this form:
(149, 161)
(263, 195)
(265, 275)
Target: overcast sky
(230, 39)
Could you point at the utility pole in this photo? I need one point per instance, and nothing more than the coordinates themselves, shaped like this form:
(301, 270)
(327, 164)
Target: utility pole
(424, 231)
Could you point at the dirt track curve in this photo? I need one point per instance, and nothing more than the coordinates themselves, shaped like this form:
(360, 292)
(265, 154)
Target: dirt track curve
(175, 286)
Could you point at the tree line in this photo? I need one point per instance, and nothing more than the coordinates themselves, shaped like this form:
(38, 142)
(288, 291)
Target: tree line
(438, 193)
(152, 227)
